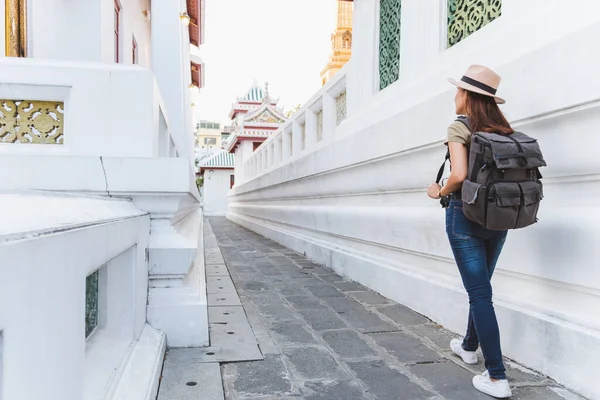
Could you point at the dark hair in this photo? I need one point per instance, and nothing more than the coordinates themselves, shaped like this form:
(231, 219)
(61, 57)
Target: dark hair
(485, 115)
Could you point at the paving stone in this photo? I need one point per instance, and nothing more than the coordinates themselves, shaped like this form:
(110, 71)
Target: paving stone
(333, 390)
(233, 334)
(348, 344)
(330, 277)
(386, 383)
(305, 302)
(518, 374)
(226, 314)
(184, 380)
(404, 347)
(246, 277)
(260, 378)
(402, 315)
(224, 287)
(254, 286)
(291, 289)
(223, 300)
(347, 286)
(219, 354)
(291, 334)
(370, 298)
(320, 270)
(366, 322)
(313, 363)
(308, 281)
(325, 291)
(343, 304)
(277, 312)
(211, 270)
(448, 379)
(439, 336)
(321, 320)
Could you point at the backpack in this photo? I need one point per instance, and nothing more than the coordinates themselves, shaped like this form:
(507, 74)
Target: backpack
(503, 189)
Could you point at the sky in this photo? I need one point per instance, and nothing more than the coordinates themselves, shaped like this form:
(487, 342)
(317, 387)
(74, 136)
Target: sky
(284, 42)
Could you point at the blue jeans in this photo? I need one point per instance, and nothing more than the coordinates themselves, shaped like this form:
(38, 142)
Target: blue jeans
(476, 251)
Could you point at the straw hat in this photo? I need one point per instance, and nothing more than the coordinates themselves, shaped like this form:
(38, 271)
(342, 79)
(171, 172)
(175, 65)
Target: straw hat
(480, 79)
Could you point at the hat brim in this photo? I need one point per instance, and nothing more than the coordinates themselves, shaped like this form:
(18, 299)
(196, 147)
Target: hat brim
(471, 88)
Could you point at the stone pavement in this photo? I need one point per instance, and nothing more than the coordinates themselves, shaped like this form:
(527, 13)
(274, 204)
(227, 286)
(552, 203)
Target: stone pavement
(323, 337)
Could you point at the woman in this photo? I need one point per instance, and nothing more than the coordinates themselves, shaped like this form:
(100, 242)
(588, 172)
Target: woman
(475, 248)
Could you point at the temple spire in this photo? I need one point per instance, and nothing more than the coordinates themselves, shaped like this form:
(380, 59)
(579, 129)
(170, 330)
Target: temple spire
(266, 97)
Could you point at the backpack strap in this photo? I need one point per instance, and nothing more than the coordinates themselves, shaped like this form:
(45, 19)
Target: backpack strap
(442, 167)
(465, 121)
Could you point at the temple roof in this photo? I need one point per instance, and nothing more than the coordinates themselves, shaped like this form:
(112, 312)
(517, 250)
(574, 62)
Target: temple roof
(253, 99)
(254, 119)
(221, 160)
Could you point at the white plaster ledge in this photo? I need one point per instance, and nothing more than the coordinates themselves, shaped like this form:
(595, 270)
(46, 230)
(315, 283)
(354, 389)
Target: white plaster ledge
(28, 214)
(141, 375)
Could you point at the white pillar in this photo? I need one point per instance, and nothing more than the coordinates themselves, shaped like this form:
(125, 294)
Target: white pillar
(296, 138)
(311, 130)
(286, 142)
(171, 65)
(362, 79)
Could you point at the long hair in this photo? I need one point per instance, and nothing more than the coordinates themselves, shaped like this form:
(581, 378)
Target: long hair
(485, 115)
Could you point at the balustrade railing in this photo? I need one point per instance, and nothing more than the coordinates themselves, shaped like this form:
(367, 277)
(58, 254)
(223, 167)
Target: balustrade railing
(309, 128)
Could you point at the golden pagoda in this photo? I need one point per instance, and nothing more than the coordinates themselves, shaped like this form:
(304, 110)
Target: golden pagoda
(341, 41)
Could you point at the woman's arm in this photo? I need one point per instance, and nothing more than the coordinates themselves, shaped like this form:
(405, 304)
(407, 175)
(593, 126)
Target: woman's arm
(459, 161)
(460, 166)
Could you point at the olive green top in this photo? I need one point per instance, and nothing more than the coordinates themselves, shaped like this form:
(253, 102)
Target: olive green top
(458, 132)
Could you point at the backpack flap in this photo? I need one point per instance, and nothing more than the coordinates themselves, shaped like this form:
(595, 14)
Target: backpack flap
(515, 151)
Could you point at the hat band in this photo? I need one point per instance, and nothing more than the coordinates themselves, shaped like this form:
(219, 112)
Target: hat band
(479, 85)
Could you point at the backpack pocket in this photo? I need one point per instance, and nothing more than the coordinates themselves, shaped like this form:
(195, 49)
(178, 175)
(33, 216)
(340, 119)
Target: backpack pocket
(502, 205)
(531, 197)
(474, 201)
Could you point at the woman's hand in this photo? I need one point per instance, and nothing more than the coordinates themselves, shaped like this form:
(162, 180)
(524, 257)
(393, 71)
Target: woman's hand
(434, 190)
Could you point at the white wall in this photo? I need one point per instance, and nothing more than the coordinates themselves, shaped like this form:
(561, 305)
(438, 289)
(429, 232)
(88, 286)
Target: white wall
(85, 31)
(110, 110)
(216, 188)
(44, 275)
(171, 65)
(356, 201)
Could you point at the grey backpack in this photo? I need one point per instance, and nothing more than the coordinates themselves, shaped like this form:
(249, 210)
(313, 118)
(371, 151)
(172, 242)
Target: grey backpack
(503, 189)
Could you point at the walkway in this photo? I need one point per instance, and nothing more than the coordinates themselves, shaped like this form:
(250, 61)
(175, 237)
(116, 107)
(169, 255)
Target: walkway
(322, 337)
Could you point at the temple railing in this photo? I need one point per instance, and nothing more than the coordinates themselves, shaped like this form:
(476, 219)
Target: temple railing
(312, 127)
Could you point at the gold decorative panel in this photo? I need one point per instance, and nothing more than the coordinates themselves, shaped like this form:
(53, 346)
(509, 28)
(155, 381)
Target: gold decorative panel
(15, 28)
(31, 121)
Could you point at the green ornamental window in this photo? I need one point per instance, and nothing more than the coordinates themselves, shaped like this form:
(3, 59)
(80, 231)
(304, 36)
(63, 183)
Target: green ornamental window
(466, 17)
(389, 42)
(91, 303)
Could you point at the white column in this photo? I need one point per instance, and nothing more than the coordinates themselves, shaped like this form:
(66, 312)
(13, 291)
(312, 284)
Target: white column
(296, 138)
(362, 78)
(311, 130)
(285, 144)
(168, 64)
(277, 150)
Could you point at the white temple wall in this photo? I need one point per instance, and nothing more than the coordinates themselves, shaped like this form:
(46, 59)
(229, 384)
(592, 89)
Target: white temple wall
(355, 198)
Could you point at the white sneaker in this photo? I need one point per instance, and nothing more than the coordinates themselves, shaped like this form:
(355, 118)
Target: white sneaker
(469, 357)
(499, 389)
